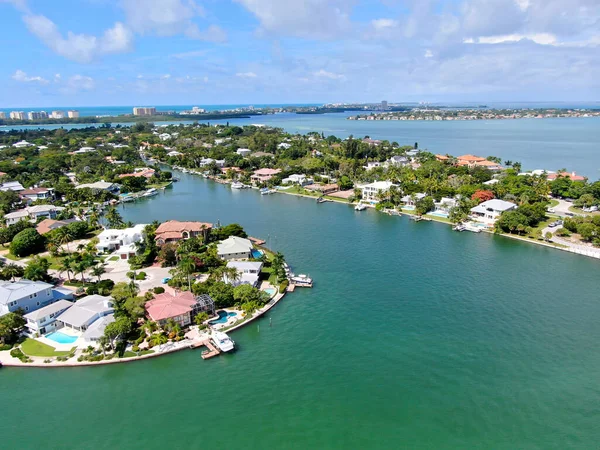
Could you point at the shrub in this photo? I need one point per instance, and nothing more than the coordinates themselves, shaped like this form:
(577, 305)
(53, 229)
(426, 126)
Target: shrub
(27, 242)
(47, 361)
(563, 232)
(78, 229)
(159, 290)
(141, 276)
(4, 347)
(135, 348)
(283, 286)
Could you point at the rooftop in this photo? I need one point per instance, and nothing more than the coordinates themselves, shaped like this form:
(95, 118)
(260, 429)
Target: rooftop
(85, 309)
(165, 305)
(10, 290)
(47, 310)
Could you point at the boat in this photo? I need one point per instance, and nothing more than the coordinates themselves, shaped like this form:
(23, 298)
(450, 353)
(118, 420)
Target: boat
(267, 191)
(237, 185)
(473, 228)
(416, 218)
(223, 341)
(129, 198)
(360, 207)
(459, 227)
(322, 200)
(302, 280)
(150, 193)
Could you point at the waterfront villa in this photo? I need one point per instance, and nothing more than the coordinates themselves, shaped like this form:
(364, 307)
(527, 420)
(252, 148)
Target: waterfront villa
(85, 312)
(299, 179)
(235, 247)
(43, 320)
(140, 172)
(572, 176)
(248, 272)
(48, 225)
(37, 193)
(100, 186)
(489, 211)
(181, 307)
(469, 160)
(122, 240)
(29, 295)
(445, 205)
(371, 191)
(33, 213)
(175, 231)
(96, 330)
(325, 189)
(263, 175)
(411, 200)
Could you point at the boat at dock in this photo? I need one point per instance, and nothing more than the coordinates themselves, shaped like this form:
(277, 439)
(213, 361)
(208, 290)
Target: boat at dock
(360, 207)
(473, 228)
(267, 191)
(416, 218)
(223, 342)
(301, 280)
(459, 227)
(150, 193)
(323, 200)
(238, 185)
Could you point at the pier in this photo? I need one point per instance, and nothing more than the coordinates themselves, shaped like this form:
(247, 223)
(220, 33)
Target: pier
(211, 351)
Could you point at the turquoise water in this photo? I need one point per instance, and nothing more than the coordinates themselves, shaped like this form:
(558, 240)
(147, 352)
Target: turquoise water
(271, 291)
(256, 253)
(432, 339)
(61, 338)
(223, 317)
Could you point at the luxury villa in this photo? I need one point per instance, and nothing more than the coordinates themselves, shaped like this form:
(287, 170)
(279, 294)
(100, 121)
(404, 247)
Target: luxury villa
(488, 212)
(33, 213)
(235, 247)
(181, 307)
(122, 241)
(370, 191)
(248, 272)
(29, 296)
(263, 175)
(175, 231)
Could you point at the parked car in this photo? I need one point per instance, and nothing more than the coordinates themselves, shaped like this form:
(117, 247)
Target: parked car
(166, 280)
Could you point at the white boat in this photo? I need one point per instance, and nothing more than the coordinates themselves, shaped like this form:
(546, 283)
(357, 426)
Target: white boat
(302, 280)
(459, 227)
(267, 191)
(128, 199)
(473, 228)
(150, 193)
(237, 185)
(360, 207)
(222, 341)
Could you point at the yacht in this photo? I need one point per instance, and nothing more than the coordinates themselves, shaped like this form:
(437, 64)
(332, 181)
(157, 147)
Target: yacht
(473, 228)
(360, 207)
(459, 227)
(222, 341)
(237, 185)
(267, 191)
(150, 193)
(302, 280)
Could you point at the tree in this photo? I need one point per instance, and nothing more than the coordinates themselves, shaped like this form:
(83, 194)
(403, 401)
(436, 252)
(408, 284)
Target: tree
(548, 236)
(66, 265)
(424, 205)
(114, 219)
(482, 196)
(62, 236)
(37, 269)
(244, 293)
(345, 183)
(10, 324)
(222, 294)
(200, 318)
(167, 255)
(188, 267)
(119, 328)
(27, 242)
(11, 271)
(158, 339)
(98, 271)
(121, 293)
(587, 230)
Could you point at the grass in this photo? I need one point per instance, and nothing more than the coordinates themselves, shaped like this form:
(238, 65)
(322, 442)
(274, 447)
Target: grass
(113, 258)
(31, 347)
(553, 203)
(130, 354)
(14, 257)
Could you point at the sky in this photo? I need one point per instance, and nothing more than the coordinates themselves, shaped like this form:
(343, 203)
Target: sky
(171, 52)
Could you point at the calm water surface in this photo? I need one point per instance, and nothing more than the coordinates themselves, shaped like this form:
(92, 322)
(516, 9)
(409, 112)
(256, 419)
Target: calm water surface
(414, 336)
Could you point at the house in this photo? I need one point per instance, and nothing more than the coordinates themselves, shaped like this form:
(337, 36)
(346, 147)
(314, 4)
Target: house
(12, 186)
(110, 240)
(243, 151)
(263, 175)
(33, 213)
(43, 320)
(181, 307)
(234, 247)
(145, 172)
(284, 145)
(324, 189)
(373, 164)
(491, 182)
(37, 193)
(572, 176)
(164, 136)
(95, 331)
(86, 311)
(371, 141)
(248, 272)
(490, 165)
(469, 160)
(441, 158)
(47, 225)
(398, 161)
(22, 144)
(370, 192)
(29, 295)
(100, 186)
(411, 200)
(489, 211)
(413, 153)
(299, 179)
(174, 231)
(174, 153)
(263, 154)
(445, 205)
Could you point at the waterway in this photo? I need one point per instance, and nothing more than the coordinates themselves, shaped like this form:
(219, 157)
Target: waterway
(551, 144)
(414, 336)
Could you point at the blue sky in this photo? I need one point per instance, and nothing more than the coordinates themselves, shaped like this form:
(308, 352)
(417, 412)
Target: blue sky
(167, 52)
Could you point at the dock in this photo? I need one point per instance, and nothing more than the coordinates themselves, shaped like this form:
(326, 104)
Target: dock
(211, 351)
(256, 241)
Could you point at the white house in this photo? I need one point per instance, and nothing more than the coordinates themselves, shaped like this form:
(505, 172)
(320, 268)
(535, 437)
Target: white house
(492, 182)
(410, 200)
(29, 295)
(399, 161)
(99, 186)
(84, 150)
(12, 186)
(243, 151)
(164, 136)
(284, 145)
(43, 320)
(370, 191)
(445, 205)
(33, 213)
(234, 247)
(22, 144)
(489, 211)
(248, 272)
(174, 153)
(373, 164)
(37, 193)
(86, 311)
(95, 331)
(300, 179)
(110, 240)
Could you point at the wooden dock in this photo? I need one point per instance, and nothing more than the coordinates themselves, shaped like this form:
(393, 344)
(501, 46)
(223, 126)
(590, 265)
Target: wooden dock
(211, 351)
(256, 241)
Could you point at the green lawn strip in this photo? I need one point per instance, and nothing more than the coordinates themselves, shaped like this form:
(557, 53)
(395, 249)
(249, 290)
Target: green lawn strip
(553, 203)
(15, 258)
(31, 347)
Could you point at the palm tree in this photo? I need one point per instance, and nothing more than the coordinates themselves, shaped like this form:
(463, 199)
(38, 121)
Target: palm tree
(12, 270)
(66, 265)
(158, 339)
(64, 236)
(98, 271)
(188, 266)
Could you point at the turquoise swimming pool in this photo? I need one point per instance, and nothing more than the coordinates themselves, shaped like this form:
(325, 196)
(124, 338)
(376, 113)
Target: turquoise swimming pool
(271, 291)
(256, 254)
(438, 214)
(223, 317)
(61, 338)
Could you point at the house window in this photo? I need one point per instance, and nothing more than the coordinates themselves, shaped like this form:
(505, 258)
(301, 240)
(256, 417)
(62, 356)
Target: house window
(27, 308)
(38, 303)
(35, 295)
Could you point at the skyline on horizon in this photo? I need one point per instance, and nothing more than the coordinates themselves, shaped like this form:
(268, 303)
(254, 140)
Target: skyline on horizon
(243, 52)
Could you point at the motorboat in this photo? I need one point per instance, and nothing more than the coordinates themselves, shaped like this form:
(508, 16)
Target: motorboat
(237, 185)
(150, 193)
(223, 341)
(302, 280)
(459, 227)
(360, 207)
(267, 191)
(322, 200)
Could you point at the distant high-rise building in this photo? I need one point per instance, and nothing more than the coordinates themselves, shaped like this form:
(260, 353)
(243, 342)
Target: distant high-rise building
(2, 115)
(384, 104)
(18, 115)
(73, 114)
(36, 115)
(57, 115)
(144, 111)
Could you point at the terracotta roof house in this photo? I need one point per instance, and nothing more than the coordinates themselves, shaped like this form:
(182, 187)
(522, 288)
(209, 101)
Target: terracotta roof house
(181, 307)
(146, 173)
(489, 164)
(174, 231)
(441, 157)
(37, 193)
(263, 175)
(469, 160)
(572, 176)
(48, 225)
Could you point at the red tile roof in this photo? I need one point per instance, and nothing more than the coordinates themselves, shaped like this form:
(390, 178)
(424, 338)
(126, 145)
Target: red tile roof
(470, 158)
(165, 306)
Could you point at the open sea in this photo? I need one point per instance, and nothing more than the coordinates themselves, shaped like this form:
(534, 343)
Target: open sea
(414, 336)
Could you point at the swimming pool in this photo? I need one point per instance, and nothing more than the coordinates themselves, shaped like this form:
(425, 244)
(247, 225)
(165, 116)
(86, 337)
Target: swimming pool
(223, 317)
(271, 291)
(61, 338)
(256, 254)
(438, 214)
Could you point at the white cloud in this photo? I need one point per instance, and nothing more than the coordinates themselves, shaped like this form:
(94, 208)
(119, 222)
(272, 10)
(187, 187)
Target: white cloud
(79, 47)
(428, 54)
(22, 77)
(538, 38)
(311, 19)
(330, 75)
(246, 75)
(382, 24)
(166, 76)
(78, 83)
(213, 33)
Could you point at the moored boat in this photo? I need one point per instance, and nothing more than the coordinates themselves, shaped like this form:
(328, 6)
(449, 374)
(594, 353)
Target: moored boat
(302, 280)
(237, 185)
(222, 341)
(150, 193)
(360, 207)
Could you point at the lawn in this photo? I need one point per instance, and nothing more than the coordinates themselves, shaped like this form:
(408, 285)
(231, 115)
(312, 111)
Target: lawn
(31, 347)
(14, 258)
(553, 203)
